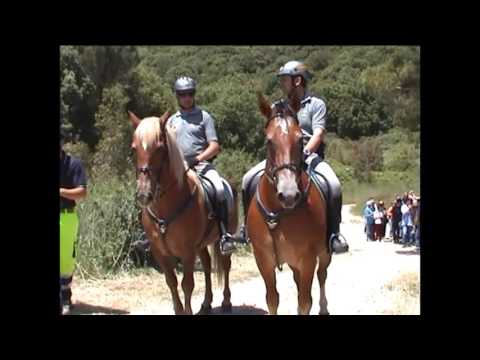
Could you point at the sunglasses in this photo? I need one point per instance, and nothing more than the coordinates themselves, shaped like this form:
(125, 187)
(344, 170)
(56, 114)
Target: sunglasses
(190, 94)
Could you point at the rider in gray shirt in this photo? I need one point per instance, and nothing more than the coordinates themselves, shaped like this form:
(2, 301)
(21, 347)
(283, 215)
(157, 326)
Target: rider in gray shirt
(194, 129)
(312, 116)
(197, 138)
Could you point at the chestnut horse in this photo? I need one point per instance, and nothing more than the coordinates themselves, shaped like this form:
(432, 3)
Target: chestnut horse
(174, 215)
(287, 221)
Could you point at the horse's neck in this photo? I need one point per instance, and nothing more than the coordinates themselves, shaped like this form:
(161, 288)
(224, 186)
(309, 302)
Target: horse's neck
(172, 193)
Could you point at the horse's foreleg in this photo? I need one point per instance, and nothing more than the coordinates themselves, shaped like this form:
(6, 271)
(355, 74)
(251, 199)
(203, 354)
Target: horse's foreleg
(296, 277)
(226, 264)
(266, 265)
(304, 285)
(324, 261)
(207, 269)
(188, 282)
(168, 266)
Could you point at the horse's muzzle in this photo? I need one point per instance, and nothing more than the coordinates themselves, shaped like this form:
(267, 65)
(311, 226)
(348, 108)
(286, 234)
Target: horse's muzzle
(289, 200)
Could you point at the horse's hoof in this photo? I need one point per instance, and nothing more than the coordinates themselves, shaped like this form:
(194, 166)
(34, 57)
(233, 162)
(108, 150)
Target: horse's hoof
(205, 310)
(324, 313)
(227, 308)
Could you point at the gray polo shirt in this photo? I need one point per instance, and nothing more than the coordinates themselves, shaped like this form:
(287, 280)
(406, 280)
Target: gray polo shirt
(312, 115)
(194, 129)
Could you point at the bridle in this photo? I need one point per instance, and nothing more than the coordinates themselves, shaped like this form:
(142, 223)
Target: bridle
(271, 173)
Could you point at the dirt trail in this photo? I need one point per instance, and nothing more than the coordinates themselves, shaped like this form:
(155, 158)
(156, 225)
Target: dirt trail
(372, 278)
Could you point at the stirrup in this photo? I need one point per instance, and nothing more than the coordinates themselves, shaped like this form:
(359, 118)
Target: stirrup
(227, 246)
(337, 245)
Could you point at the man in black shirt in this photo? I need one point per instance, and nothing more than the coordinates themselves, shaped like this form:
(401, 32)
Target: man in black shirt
(73, 187)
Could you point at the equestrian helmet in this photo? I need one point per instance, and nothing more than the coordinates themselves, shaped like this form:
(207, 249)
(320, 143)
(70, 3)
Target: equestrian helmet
(295, 68)
(184, 83)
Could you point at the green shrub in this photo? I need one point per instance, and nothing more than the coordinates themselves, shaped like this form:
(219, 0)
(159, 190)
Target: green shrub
(233, 164)
(401, 157)
(340, 150)
(368, 156)
(344, 173)
(109, 223)
(384, 186)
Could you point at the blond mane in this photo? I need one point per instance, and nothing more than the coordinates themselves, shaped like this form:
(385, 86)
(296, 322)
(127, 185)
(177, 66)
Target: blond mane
(149, 133)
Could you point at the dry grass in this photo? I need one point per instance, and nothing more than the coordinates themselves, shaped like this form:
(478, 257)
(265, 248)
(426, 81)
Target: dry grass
(146, 288)
(404, 294)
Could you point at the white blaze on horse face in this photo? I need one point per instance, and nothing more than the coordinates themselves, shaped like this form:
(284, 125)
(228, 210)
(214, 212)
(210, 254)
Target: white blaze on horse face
(283, 126)
(145, 145)
(287, 183)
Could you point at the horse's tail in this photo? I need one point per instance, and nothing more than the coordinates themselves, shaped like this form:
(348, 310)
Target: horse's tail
(218, 263)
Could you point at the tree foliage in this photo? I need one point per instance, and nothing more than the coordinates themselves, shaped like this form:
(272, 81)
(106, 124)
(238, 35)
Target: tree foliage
(372, 95)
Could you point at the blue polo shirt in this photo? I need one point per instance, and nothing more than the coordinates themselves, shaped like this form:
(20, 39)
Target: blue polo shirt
(72, 175)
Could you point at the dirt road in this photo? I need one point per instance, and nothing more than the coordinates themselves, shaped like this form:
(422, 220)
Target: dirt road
(372, 278)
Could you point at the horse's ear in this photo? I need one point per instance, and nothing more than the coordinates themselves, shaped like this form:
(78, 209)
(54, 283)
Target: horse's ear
(134, 119)
(163, 120)
(264, 105)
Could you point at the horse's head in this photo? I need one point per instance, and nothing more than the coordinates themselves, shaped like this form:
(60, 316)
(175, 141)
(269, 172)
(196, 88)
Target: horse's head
(150, 145)
(284, 150)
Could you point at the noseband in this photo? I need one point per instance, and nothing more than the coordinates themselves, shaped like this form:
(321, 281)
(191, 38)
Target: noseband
(274, 170)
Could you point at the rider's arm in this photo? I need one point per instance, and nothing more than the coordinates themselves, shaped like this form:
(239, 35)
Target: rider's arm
(315, 140)
(213, 147)
(212, 150)
(319, 124)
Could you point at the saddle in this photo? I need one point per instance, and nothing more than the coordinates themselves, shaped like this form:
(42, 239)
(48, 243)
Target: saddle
(320, 183)
(210, 197)
(318, 180)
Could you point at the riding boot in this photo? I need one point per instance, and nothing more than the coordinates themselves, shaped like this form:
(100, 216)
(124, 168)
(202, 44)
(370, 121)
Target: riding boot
(241, 235)
(226, 241)
(337, 241)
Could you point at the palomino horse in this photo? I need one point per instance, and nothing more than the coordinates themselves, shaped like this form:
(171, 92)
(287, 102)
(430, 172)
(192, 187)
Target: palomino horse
(287, 220)
(174, 215)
